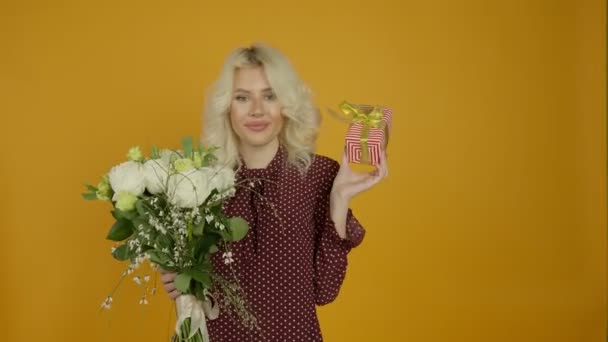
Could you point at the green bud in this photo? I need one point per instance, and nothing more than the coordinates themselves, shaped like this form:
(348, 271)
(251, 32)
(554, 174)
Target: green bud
(183, 164)
(104, 191)
(125, 201)
(135, 154)
(198, 161)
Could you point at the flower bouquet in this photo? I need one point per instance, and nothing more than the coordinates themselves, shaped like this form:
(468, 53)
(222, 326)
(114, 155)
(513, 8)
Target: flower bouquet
(168, 211)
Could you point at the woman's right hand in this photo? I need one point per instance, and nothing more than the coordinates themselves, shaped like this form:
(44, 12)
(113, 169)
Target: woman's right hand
(168, 279)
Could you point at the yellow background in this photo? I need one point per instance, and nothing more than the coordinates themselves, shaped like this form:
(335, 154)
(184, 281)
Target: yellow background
(491, 226)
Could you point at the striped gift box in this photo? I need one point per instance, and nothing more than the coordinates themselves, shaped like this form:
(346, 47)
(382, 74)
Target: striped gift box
(377, 138)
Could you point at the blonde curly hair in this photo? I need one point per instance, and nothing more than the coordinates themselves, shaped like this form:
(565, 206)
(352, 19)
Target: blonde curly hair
(302, 118)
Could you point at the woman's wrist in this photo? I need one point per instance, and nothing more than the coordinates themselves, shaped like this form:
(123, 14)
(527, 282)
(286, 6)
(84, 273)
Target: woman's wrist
(338, 206)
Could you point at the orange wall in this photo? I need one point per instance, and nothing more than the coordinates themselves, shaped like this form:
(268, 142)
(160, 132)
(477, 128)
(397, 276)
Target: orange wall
(491, 227)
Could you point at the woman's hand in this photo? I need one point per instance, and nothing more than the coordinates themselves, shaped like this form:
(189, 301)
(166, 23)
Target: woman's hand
(168, 279)
(348, 184)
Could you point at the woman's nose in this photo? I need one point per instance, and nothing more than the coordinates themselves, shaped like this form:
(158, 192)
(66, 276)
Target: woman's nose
(256, 108)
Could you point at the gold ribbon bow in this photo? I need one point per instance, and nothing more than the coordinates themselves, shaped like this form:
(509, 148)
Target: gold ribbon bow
(355, 115)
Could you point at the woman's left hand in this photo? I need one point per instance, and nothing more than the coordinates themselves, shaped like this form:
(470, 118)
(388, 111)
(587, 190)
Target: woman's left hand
(349, 183)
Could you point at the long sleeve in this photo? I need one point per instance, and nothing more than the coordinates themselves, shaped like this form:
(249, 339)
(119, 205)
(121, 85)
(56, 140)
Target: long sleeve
(330, 258)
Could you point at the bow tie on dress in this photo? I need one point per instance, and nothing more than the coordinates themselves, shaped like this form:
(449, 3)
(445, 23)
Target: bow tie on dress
(262, 186)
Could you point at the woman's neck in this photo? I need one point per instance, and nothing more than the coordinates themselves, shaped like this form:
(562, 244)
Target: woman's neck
(258, 157)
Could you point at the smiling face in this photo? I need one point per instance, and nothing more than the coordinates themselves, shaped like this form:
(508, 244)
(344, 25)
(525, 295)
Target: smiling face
(255, 112)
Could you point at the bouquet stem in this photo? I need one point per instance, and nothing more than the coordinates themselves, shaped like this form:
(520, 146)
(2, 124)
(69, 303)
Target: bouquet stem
(191, 321)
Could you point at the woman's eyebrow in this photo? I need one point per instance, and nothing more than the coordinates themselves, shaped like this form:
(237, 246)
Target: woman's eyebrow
(247, 91)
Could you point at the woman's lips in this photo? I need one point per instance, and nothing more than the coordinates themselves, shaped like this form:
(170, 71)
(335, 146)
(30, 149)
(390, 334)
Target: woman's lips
(257, 127)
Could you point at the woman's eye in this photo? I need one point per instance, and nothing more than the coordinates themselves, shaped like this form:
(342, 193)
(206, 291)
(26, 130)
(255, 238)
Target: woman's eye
(240, 98)
(270, 97)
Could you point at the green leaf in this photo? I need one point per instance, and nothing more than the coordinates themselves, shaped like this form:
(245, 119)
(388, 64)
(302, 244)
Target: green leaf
(129, 215)
(197, 229)
(155, 154)
(202, 277)
(117, 214)
(91, 188)
(187, 146)
(238, 228)
(182, 282)
(141, 208)
(145, 248)
(156, 258)
(121, 230)
(141, 221)
(204, 244)
(90, 196)
(121, 253)
(164, 241)
(226, 234)
(204, 266)
(213, 249)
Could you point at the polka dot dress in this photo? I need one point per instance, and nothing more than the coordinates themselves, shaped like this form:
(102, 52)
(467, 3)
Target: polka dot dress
(292, 258)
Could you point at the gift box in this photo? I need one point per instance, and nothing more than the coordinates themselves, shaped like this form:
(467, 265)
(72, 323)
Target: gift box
(368, 133)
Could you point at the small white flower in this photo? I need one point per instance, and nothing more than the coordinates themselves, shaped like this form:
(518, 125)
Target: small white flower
(107, 303)
(137, 280)
(227, 258)
(209, 218)
(146, 278)
(143, 301)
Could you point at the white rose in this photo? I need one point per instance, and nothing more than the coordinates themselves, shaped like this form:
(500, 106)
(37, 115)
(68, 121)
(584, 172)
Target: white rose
(222, 178)
(188, 189)
(169, 156)
(127, 177)
(156, 172)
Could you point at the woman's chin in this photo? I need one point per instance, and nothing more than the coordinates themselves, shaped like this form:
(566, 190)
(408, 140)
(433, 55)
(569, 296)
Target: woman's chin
(258, 141)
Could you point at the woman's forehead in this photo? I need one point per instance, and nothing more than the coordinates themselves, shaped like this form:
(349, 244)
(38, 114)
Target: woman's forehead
(251, 79)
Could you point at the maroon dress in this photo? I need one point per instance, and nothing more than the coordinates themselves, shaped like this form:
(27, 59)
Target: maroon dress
(292, 258)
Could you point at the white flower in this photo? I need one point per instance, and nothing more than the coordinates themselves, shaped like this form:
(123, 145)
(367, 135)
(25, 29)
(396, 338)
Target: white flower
(188, 189)
(227, 258)
(156, 172)
(127, 177)
(222, 178)
(169, 156)
(137, 280)
(107, 303)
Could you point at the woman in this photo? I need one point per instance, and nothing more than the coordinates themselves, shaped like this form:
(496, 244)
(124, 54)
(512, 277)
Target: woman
(301, 228)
